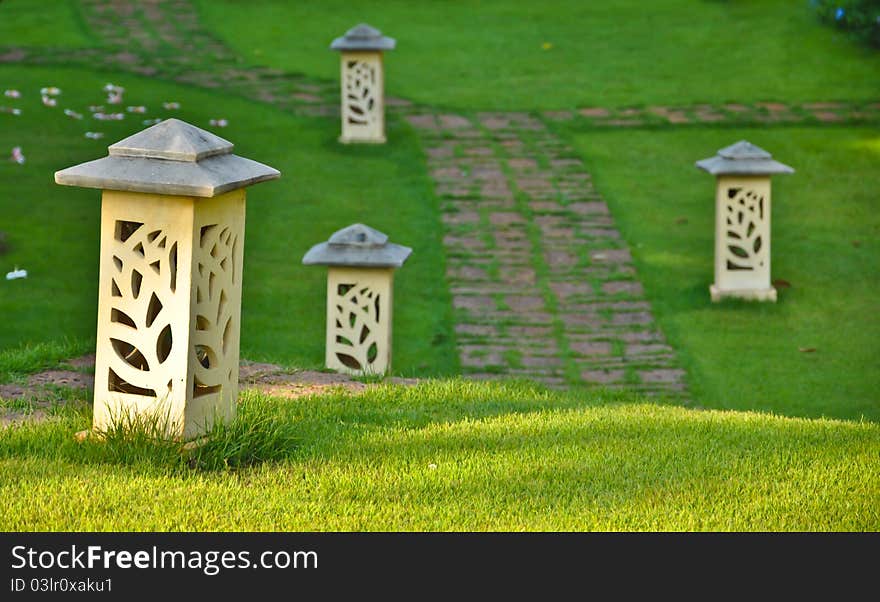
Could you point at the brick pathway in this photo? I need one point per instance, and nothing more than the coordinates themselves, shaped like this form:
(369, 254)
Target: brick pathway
(543, 285)
(758, 113)
(165, 39)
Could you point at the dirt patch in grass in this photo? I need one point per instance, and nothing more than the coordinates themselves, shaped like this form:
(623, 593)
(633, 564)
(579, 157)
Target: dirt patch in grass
(310, 382)
(9, 417)
(12, 391)
(270, 379)
(61, 378)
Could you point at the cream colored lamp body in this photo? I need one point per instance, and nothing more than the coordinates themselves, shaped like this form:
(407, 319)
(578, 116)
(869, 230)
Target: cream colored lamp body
(742, 239)
(169, 307)
(360, 282)
(169, 289)
(742, 221)
(362, 84)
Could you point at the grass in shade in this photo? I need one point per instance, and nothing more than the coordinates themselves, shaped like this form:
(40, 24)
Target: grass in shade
(52, 230)
(816, 351)
(17, 362)
(40, 23)
(492, 54)
(453, 455)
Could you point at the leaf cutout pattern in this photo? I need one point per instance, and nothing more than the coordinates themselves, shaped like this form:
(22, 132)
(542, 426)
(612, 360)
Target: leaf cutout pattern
(139, 330)
(745, 247)
(214, 282)
(356, 319)
(360, 93)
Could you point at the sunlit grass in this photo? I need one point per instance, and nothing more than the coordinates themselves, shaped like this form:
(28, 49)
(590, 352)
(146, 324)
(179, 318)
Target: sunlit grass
(460, 456)
(872, 145)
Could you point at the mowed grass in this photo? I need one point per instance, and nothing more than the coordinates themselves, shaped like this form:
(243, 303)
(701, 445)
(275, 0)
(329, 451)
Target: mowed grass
(53, 230)
(462, 456)
(817, 351)
(454, 455)
(493, 54)
(46, 23)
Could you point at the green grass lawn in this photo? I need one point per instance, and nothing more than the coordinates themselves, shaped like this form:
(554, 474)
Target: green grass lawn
(825, 228)
(492, 54)
(53, 230)
(449, 456)
(791, 441)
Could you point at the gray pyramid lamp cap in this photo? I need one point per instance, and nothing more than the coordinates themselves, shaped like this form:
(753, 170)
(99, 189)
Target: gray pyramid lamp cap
(358, 246)
(363, 37)
(743, 158)
(173, 158)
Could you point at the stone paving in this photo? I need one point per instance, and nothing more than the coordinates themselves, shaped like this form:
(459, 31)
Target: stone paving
(758, 113)
(543, 285)
(166, 39)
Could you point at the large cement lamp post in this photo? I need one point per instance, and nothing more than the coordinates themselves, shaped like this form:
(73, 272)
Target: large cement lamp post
(169, 297)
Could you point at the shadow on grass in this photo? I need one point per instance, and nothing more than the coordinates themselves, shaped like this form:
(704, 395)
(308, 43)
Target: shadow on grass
(451, 418)
(272, 429)
(472, 454)
(29, 358)
(258, 434)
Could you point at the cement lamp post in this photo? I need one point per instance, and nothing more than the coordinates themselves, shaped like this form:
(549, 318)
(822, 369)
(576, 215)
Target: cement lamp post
(359, 297)
(169, 297)
(362, 83)
(742, 221)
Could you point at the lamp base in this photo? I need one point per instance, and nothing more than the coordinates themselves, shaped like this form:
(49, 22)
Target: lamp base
(750, 294)
(350, 140)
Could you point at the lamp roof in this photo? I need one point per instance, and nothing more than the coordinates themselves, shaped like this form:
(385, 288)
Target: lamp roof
(173, 158)
(743, 158)
(363, 37)
(358, 245)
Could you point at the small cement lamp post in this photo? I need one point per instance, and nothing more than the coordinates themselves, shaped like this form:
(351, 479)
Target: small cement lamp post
(169, 297)
(742, 221)
(362, 83)
(359, 295)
